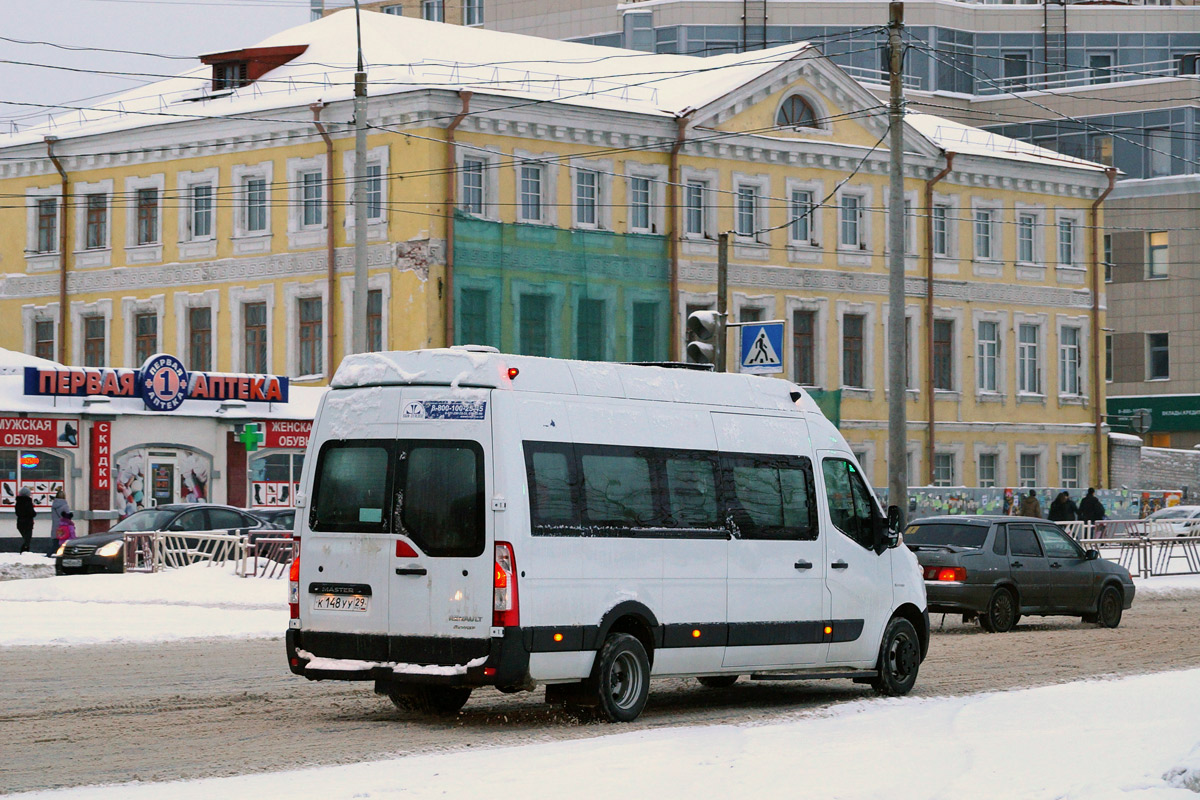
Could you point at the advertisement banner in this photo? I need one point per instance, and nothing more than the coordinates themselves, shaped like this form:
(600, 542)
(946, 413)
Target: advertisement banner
(101, 456)
(38, 432)
(287, 433)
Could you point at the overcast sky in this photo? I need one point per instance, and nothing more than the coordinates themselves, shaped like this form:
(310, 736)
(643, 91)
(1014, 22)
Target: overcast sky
(167, 27)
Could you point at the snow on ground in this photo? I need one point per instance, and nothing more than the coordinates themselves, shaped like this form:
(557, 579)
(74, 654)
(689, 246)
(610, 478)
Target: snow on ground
(195, 602)
(1094, 740)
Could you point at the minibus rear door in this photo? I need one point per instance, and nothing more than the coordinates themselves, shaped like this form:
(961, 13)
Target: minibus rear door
(440, 582)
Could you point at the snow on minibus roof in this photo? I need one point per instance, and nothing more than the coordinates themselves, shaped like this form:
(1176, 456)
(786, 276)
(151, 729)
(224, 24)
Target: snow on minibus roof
(462, 367)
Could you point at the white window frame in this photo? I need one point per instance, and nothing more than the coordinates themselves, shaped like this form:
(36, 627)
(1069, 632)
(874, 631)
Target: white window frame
(602, 169)
(131, 308)
(150, 252)
(947, 263)
(991, 265)
(184, 301)
(301, 236)
(490, 178)
(1035, 228)
(293, 292)
(548, 164)
(867, 310)
(761, 186)
(1083, 347)
(856, 255)
(473, 12)
(656, 175)
(433, 10)
(806, 249)
(49, 260)
(239, 296)
(80, 310)
(528, 195)
(1080, 456)
(191, 245)
(32, 314)
(1038, 322)
(84, 258)
(1074, 271)
(1000, 451)
(246, 241)
(941, 457)
(380, 283)
(980, 387)
(586, 203)
(710, 180)
(376, 226)
(819, 305)
(1040, 453)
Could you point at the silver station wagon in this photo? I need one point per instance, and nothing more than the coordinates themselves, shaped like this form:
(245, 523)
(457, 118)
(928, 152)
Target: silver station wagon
(998, 568)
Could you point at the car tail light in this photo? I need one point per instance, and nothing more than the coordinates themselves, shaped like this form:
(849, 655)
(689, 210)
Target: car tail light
(506, 611)
(294, 588)
(945, 574)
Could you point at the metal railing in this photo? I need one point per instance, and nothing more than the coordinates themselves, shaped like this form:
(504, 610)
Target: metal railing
(155, 551)
(1147, 548)
(1079, 76)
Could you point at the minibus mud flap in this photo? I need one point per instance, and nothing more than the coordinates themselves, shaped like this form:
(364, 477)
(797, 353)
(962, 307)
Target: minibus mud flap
(509, 657)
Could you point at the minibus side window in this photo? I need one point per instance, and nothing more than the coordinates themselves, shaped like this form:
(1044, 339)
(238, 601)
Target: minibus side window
(351, 492)
(440, 497)
(553, 507)
(769, 497)
(691, 492)
(850, 506)
(617, 489)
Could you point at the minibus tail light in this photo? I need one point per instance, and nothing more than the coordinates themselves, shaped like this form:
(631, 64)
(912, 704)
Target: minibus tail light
(294, 589)
(505, 609)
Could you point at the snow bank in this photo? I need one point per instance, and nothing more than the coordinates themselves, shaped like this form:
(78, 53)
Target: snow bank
(1054, 742)
(15, 566)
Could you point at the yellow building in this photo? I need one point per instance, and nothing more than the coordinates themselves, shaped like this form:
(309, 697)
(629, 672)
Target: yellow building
(563, 199)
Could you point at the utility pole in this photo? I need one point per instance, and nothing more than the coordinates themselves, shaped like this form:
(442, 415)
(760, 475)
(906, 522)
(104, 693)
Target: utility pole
(897, 417)
(359, 321)
(722, 293)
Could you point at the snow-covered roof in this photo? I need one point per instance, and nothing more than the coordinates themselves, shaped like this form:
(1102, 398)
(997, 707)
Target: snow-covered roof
(13, 362)
(405, 53)
(958, 138)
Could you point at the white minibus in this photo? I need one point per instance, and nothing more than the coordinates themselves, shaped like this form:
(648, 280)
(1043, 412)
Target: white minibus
(468, 519)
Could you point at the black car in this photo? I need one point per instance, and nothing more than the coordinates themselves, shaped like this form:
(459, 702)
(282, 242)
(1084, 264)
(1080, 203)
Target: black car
(105, 552)
(282, 519)
(998, 568)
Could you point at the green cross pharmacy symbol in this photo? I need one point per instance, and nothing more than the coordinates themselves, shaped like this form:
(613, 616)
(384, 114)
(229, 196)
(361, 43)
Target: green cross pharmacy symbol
(251, 436)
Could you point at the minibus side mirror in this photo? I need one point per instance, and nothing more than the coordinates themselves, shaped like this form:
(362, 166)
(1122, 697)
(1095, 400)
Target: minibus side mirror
(887, 530)
(893, 519)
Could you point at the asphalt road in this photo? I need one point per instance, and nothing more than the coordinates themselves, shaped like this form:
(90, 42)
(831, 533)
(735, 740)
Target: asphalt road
(72, 716)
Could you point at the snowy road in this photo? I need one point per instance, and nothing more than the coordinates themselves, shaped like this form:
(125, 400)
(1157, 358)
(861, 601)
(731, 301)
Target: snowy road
(77, 715)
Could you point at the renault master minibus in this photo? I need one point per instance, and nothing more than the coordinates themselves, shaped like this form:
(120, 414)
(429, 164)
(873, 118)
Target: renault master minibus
(469, 519)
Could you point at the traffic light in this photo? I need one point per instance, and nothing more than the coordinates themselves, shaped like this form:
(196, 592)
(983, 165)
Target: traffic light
(702, 334)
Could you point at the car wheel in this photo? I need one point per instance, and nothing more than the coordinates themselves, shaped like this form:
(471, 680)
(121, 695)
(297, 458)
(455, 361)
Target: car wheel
(899, 659)
(717, 681)
(1001, 615)
(429, 699)
(1108, 610)
(621, 678)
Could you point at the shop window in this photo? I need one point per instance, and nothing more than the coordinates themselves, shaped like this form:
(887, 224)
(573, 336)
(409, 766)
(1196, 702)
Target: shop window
(274, 479)
(41, 472)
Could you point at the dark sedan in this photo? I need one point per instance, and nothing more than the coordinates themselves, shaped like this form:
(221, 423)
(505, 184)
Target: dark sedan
(999, 568)
(105, 552)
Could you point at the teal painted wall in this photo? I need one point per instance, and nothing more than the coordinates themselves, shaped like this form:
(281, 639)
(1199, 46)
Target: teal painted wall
(497, 264)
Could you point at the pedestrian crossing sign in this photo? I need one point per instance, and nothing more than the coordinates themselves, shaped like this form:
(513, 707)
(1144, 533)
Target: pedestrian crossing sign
(762, 347)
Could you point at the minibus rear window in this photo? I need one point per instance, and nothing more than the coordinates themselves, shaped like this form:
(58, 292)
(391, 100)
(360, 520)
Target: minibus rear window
(351, 490)
(692, 493)
(440, 497)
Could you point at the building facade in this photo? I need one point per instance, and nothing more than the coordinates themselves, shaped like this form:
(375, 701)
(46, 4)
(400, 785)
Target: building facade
(564, 203)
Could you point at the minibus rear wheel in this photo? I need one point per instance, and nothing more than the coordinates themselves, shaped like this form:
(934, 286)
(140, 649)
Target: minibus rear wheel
(429, 699)
(621, 678)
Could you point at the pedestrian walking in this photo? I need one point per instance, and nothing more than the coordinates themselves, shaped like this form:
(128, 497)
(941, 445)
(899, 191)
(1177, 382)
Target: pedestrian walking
(59, 507)
(1030, 507)
(1062, 509)
(1091, 511)
(25, 514)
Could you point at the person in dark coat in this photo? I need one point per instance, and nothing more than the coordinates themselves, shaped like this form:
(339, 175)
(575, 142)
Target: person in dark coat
(25, 515)
(1090, 508)
(1062, 509)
